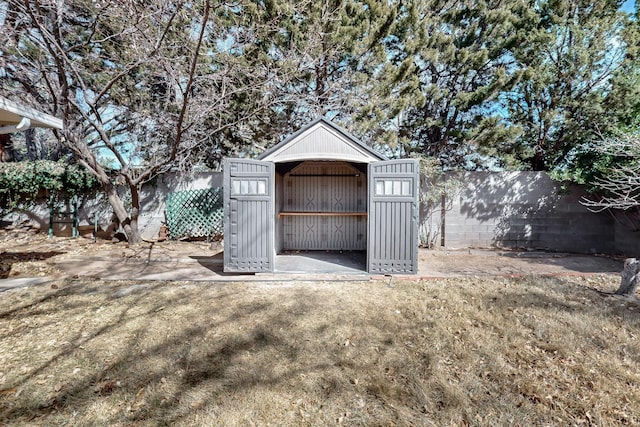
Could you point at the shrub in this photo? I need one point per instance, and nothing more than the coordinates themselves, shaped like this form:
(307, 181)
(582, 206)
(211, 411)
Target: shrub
(22, 182)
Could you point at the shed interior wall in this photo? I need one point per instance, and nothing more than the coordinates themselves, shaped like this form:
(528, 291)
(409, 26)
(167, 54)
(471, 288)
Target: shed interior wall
(323, 206)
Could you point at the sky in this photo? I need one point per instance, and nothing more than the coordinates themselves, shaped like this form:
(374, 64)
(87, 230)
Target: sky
(629, 6)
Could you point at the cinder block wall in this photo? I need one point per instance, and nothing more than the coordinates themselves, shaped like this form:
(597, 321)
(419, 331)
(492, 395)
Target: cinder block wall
(527, 210)
(627, 241)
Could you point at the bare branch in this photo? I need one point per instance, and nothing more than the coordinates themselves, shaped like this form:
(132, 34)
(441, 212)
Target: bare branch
(620, 186)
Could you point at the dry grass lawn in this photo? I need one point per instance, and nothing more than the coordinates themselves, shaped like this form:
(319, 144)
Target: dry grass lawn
(469, 351)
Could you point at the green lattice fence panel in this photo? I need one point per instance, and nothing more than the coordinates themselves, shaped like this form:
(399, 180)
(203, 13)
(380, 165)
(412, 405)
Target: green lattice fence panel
(195, 213)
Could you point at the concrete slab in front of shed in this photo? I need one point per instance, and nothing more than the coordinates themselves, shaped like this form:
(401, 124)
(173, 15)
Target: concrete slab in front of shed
(333, 262)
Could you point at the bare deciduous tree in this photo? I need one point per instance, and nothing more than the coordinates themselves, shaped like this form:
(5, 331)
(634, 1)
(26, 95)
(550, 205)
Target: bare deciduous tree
(145, 85)
(619, 186)
(620, 195)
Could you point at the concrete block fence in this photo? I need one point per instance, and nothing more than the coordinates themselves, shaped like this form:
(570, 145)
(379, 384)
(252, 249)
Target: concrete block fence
(528, 210)
(520, 210)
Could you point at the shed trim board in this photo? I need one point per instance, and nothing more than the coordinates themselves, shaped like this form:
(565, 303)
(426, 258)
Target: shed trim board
(321, 140)
(321, 190)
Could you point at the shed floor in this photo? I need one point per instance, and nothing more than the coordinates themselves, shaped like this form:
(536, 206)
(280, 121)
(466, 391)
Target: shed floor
(334, 262)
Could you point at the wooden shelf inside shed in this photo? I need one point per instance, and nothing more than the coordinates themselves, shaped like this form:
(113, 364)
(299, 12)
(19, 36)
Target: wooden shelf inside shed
(281, 214)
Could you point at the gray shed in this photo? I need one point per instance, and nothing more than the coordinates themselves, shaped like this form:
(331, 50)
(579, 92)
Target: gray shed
(321, 190)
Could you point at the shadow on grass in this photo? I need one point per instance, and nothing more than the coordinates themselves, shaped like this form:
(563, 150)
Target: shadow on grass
(167, 354)
(540, 310)
(563, 295)
(188, 355)
(32, 308)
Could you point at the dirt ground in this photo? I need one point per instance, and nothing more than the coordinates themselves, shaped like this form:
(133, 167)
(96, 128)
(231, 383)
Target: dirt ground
(28, 253)
(24, 253)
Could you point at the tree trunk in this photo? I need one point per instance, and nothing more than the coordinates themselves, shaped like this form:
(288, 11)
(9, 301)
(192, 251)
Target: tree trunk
(130, 227)
(630, 275)
(88, 160)
(33, 149)
(136, 237)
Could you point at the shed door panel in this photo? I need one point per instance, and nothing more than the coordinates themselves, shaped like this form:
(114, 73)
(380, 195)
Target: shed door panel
(248, 215)
(393, 217)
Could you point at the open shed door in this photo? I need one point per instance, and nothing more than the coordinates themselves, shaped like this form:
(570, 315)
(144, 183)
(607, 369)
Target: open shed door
(248, 215)
(392, 244)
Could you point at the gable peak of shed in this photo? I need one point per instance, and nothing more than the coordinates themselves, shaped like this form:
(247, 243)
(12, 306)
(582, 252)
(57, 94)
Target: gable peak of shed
(321, 140)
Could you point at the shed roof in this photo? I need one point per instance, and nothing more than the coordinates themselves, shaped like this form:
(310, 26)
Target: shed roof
(321, 140)
(12, 115)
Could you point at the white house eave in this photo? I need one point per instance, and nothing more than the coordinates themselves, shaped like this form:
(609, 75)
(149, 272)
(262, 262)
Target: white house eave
(15, 118)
